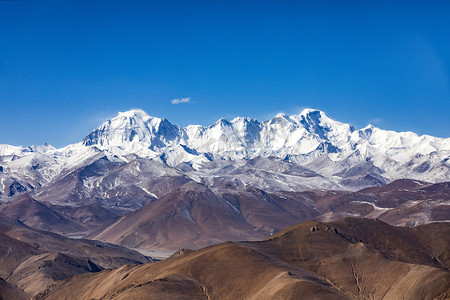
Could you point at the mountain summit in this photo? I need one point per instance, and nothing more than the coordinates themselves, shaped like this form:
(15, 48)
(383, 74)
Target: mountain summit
(132, 131)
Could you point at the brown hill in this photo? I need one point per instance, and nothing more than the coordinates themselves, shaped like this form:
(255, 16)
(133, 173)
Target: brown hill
(8, 291)
(103, 254)
(38, 271)
(191, 216)
(32, 258)
(348, 259)
(32, 213)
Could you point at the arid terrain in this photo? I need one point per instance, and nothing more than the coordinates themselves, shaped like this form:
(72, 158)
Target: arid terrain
(350, 258)
(347, 259)
(31, 259)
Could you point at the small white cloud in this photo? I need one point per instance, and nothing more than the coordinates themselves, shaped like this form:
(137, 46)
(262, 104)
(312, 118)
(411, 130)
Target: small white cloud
(376, 121)
(181, 100)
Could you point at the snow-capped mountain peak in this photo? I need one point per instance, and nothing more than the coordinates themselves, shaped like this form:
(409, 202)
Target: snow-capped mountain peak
(134, 131)
(133, 114)
(305, 136)
(331, 149)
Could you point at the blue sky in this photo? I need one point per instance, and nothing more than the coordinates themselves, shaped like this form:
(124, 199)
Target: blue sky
(66, 66)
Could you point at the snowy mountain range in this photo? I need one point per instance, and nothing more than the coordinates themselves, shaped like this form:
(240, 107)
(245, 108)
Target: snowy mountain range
(298, 152)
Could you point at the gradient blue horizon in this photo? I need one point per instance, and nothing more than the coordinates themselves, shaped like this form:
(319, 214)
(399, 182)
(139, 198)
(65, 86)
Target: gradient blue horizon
(66, 66)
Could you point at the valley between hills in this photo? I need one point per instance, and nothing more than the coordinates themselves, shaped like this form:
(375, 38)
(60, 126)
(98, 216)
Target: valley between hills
(295, 207)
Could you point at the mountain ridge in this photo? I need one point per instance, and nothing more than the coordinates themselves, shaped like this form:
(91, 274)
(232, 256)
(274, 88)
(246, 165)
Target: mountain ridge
(335, 151)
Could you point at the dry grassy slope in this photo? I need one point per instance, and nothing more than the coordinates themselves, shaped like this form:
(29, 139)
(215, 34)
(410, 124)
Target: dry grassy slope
(311, 260)
(225, 271)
